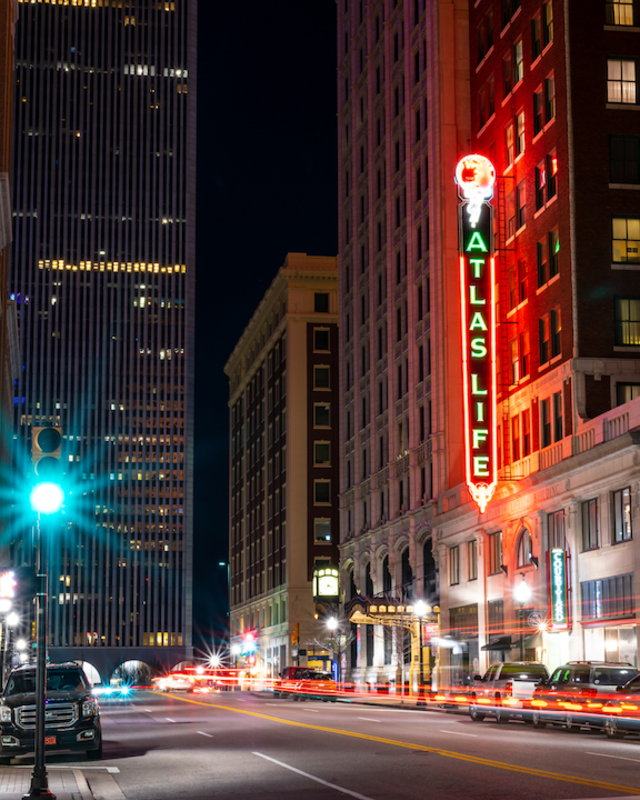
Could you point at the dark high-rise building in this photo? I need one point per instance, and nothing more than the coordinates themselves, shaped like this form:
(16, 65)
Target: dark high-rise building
(103, 277)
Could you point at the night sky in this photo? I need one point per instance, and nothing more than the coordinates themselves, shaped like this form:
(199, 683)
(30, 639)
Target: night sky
(267, 185)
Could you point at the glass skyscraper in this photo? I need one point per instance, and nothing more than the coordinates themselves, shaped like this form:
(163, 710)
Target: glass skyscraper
(103, 278)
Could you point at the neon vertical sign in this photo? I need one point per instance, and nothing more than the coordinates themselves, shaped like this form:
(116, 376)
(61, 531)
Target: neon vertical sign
(475, 176)
(558, 590)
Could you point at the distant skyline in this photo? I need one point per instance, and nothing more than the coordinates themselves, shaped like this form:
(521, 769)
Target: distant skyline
(267, 185)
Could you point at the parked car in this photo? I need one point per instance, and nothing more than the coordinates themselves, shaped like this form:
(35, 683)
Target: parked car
(621, 711)
(505, 690)
(576, 692)
(72, 715)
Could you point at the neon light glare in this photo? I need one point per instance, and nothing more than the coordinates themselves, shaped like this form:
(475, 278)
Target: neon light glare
(475, 177)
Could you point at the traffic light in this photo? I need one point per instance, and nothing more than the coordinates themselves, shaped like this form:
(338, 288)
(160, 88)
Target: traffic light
(46, 453)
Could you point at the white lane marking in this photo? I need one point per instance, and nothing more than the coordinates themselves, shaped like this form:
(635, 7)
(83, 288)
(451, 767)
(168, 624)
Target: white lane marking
(310, 710)
(368, 719)
(313, 778)
(169, 719)
(460, 733)
(148, 709)
(606, 755)
(202, 733)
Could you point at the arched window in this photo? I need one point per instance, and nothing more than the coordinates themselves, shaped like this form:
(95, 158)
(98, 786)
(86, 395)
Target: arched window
(407, 574)
(386, 575)
(524, 548)
(429, 569)
(353, 591)
(368, 582)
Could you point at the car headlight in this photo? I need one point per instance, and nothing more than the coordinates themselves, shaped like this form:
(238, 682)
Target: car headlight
(5, 714)
(89, 708)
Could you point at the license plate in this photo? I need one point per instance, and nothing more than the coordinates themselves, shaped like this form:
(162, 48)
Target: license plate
(49, 740)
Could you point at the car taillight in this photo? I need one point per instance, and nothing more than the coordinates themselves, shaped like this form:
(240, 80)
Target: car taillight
(508, 687)
(589, 693)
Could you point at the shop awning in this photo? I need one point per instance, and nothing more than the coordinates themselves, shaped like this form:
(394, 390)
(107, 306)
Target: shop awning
(535, 640)
(502, 643)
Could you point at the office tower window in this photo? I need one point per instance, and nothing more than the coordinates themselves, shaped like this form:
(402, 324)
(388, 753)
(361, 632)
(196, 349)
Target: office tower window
(525, 355)
(521, 200)
(322, 492)
(511, 215)
(545, 423)
(509, 8)
(538, 110)
(514, 361)
(518, 62)
(622, 80)
(321, 377)
(510, 143)
(619, 12)
(625, 240)
(536, 37)
(322, 531)
(507, 73)
(519, 133)
(545, 339)
(495, 553)
(472, 559)
(554, 250)
(590, 530)
(321, 454)
(515, 438)
(454, 565)
(322, 415)
(624, 159)
(321, 302)
(555, 529)
(557, 416)
(622, 515)
(524, 549)
(556, 329)
(627, 321)
(321, 339)
(547, 23)
(626, 392)
(526, 433)
(550, 98)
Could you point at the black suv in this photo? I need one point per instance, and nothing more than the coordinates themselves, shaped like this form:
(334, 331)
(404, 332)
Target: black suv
(574, 694)
(72, 716)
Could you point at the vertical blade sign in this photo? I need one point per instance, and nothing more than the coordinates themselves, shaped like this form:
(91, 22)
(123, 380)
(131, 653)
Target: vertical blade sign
(475, 176)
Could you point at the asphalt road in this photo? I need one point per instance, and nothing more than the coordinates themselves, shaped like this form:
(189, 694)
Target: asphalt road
(244, 746)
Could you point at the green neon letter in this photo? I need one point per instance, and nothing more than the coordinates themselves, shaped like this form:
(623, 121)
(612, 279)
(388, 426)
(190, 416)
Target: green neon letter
(477, 264)
(473, 299)
(479, 435)
(480, 412)
(480, 465)
(478, 348)
(477, 322)
(476, 243)
(474, 386)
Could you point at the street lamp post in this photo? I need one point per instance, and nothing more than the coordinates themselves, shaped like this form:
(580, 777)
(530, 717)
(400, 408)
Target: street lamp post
(46, 498)
(522, 593)
(332, 625)
(420, 608)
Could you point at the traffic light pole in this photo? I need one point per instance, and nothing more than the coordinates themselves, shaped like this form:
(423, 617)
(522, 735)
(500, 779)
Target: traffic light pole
(39, 778)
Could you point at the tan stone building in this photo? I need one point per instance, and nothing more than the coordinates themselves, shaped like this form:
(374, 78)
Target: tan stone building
(283, 466)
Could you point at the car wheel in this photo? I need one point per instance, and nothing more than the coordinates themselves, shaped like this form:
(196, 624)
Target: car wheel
(537, 721)
(95, 755)
(475, 714)
(611, 728)
(502, 717)
(570, 723)
(5, 760)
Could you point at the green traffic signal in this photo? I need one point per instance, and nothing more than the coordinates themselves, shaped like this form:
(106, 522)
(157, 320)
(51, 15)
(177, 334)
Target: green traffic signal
(46, 498)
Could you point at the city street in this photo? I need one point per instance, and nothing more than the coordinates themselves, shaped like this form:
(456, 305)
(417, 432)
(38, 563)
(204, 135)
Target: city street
(240, 745)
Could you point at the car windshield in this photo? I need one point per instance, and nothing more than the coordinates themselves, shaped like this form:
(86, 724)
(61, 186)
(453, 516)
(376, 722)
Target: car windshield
(57, 681)
(523, 672)
(320, 676)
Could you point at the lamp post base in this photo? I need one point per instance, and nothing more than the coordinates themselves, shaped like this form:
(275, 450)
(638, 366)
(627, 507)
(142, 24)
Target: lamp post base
(39, 786)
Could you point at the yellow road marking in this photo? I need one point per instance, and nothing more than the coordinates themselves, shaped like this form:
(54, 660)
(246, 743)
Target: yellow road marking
(538, 773)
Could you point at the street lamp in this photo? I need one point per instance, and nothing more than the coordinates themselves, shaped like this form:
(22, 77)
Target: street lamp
(332, 626)
(46, 498)
(420, 608)
(521, 593)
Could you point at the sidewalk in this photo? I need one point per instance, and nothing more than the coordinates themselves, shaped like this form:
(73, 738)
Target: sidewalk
(67, 783)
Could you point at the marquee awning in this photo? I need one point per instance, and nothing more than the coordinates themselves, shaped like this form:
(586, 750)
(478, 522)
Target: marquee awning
(502, 643)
